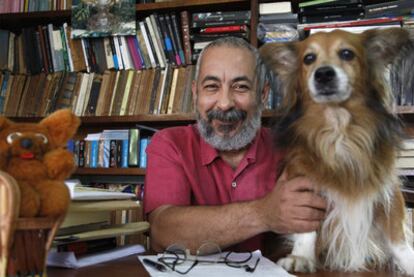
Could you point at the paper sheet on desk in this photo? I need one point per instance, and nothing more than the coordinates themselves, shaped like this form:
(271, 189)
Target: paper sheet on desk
(264, 268)
(69, 260)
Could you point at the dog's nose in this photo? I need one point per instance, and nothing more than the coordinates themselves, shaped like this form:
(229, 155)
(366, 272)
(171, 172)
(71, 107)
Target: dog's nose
(26, 143)
(324, 74)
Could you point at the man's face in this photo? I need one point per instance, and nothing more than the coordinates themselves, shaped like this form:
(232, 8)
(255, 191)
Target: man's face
(226, 99)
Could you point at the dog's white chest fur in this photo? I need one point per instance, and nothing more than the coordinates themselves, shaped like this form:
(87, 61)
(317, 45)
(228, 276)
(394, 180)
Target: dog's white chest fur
(348, 238)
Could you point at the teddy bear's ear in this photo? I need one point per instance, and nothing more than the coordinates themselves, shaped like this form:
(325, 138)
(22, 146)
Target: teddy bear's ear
(4, 122)
(61, 125)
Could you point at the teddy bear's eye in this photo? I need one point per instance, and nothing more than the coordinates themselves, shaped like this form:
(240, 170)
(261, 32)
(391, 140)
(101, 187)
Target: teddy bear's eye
(42, 137)
(13, 136)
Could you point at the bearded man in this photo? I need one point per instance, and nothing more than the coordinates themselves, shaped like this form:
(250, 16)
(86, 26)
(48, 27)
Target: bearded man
(217, 180)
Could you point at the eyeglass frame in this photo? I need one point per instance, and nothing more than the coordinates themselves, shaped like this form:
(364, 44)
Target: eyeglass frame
(177, 260)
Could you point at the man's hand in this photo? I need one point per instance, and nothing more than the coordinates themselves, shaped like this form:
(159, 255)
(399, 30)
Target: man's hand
(293, 206)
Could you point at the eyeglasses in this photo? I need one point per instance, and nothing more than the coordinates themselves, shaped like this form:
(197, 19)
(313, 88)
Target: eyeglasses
(177, 258)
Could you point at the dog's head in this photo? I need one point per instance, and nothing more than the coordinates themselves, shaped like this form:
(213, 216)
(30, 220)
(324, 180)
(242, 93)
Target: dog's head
(328, 68)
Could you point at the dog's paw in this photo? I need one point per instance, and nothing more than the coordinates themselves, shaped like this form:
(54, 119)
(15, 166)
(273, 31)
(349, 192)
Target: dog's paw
(294, 263)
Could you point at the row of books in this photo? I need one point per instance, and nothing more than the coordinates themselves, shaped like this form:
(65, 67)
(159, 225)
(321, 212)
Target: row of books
(50, 48)
(16, 6)
(111, 149)
(126, 92)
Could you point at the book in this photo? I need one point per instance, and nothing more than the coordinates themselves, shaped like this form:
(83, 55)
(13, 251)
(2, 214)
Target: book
(173, 37)
(226, 15)
(133, 147)
(389, 8)
(225, 29)
(178, 36)
(275, 7)
(341, 16)
(322, 2)
(167, 40)
(361, 22)
(185, 31)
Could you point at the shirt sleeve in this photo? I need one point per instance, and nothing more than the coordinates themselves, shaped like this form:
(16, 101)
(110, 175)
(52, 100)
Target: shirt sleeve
(165, 180)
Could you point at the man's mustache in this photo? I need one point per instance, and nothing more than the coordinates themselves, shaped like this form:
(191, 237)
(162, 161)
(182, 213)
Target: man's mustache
(232, 115)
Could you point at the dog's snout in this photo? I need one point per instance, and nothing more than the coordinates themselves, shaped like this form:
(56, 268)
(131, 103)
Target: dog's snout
(26, 143)
(324, 74)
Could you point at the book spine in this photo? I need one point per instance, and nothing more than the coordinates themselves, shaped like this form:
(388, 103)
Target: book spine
(185, 31)
(220, 16)
(93, 155)
(112, 153)
(81, 162)
(133, 147)
(142, 154)
(177, 35)
(224, 29)
(167, 40)
(124, 153)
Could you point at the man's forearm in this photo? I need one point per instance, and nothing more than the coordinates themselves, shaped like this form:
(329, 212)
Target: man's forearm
(225, 225)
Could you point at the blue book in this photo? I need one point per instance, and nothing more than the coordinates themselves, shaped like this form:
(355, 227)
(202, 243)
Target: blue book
(3, 90)
(94, 153)
(142, 154)
(106, 153)
(124, 154)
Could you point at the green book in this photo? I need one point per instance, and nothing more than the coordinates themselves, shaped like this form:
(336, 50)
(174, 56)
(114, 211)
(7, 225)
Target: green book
(317, 2)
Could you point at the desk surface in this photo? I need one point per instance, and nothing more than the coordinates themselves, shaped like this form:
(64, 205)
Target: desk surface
(131, 267)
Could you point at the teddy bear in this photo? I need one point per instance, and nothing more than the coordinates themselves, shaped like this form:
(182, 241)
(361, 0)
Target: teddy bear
(35, 155)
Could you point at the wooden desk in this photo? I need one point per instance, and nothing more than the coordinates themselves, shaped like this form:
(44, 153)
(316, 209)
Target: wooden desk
(131, 267)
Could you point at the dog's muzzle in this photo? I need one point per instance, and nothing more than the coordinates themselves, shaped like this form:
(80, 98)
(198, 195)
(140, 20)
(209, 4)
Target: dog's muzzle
(325, 80)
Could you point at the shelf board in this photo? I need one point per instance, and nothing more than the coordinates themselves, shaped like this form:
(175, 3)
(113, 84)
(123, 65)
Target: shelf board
(185, 3)
(110, 171)
(408, 195)
(115, 230)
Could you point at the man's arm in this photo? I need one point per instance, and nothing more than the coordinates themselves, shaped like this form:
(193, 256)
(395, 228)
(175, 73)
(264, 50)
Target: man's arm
(290, 208)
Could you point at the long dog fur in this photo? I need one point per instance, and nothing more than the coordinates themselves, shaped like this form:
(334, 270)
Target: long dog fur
(344, 137)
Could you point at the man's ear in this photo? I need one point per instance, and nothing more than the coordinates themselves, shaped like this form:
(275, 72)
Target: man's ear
(61, 125)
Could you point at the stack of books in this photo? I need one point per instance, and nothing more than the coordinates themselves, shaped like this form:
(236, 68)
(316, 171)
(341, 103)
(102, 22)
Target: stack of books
(405, 159)
(98, 221)
(328, 10)
(277, 22)
(208, 26)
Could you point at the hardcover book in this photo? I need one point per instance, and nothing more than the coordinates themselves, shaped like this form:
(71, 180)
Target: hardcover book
(99, 18)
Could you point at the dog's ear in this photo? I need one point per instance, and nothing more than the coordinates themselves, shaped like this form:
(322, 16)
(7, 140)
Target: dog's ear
(282, 60)
(384, 45)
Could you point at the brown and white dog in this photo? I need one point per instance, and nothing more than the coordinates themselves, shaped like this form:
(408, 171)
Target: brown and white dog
(338, 131)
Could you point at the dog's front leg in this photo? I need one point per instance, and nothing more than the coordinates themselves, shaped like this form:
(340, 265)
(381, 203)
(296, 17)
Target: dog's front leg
(303, 257)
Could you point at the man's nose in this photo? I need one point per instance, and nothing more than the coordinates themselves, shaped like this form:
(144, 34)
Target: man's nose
(225, 100)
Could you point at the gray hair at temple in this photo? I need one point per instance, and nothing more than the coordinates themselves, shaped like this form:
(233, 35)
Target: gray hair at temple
(236, 42)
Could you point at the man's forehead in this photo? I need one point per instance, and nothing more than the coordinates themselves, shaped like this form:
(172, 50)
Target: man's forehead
(227, 62)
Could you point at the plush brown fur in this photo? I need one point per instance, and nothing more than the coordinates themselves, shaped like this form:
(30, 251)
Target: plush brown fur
(39, 168)
(340, 132)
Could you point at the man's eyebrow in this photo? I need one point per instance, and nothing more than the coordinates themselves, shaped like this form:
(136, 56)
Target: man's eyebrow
(210, 78)
(242, 78)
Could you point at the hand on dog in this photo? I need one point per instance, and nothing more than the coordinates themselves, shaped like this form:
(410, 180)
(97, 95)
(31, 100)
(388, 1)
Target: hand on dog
(294, 206)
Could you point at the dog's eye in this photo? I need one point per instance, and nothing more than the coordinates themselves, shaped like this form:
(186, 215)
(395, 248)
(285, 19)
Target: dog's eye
(309, 58)
(13, 136)
(346, 54)
(42, 137)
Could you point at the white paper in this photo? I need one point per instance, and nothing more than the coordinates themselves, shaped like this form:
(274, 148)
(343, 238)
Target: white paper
(69, 260)
(264, 268)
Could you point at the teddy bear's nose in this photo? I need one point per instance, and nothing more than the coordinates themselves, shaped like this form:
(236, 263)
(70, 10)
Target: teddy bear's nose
(26, 143)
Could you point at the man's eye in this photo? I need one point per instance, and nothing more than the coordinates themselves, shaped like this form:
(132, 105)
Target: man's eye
(211, 87)
(241, 87)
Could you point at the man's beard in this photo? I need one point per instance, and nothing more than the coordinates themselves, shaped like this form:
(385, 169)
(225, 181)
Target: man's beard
(239, 140)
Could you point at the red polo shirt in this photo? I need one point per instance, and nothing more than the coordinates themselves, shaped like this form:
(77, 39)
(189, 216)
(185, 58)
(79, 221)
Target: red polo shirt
(183, 170)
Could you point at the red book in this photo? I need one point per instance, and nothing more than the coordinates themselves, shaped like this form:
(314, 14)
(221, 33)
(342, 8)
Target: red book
(352, 23)
(225, 29)
(133, 51)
